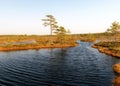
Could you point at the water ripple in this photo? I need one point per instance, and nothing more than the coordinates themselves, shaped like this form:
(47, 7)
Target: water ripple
(77, 66)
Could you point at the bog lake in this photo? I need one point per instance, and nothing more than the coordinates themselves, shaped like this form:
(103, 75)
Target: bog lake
(76, 66)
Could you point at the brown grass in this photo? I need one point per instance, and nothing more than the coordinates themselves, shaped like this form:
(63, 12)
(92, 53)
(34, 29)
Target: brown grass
(7, 43)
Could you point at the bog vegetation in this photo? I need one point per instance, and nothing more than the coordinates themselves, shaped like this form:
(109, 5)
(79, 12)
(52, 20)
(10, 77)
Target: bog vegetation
(61, 37)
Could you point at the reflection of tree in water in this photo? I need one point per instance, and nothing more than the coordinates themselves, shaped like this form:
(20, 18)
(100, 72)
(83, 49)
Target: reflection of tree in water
(56, 68)
(115, 60)
(58, 53)
(63, 52)
(51, 52)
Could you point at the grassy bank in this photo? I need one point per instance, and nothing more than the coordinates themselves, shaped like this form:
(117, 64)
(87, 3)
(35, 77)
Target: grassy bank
(110, 48)
(32, 46)
(24, 42)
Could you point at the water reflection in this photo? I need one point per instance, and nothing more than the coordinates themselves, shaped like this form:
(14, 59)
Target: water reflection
(58, 52)
(76, 66)
(114, 60)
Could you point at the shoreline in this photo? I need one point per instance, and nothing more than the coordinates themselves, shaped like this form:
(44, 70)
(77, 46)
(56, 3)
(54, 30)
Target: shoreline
(13, 48)
(107, 51)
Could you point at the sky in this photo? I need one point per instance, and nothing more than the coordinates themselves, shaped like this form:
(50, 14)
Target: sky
(79, 16)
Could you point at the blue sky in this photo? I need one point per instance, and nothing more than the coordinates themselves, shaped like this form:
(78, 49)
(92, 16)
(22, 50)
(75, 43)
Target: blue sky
(80, 16)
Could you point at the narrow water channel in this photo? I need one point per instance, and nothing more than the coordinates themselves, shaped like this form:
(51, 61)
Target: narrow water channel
(76, 66)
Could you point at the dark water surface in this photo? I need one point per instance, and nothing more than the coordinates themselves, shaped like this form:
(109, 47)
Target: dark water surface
(76, 66)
